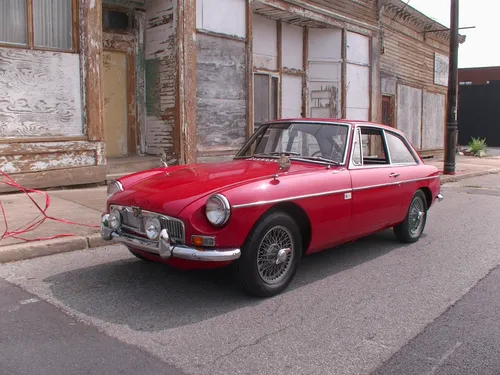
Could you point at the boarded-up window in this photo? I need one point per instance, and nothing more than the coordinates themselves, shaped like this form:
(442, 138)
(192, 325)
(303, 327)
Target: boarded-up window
(266, 89)
(433, 117)
(325, 67)
(409, 113)
(357, 77)
(293, 40)
(265, 43)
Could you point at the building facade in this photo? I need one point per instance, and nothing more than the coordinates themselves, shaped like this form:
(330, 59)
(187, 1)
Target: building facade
(84, 83)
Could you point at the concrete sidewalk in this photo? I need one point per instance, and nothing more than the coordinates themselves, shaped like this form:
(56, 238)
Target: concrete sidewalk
(85, 206)
(82, 206)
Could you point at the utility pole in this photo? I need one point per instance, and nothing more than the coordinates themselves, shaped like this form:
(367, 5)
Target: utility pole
(451, 120)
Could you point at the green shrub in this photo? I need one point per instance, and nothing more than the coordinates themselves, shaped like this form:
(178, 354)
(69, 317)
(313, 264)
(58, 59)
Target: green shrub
(476, 145)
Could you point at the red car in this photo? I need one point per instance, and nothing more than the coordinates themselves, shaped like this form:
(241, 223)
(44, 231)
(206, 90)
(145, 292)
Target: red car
(296, 187)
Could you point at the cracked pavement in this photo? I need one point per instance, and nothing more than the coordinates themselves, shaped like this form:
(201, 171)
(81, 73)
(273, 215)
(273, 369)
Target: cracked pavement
(348, 311)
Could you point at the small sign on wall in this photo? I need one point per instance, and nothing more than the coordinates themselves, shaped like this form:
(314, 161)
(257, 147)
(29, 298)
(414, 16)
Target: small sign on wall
(441, 69)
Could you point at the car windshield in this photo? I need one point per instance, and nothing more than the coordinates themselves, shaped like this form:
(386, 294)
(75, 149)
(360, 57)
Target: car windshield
(306, 141)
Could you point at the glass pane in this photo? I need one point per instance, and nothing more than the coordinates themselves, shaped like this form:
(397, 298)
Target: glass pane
(52, 23)
(301, 140)
(400, 154)
(261, 99)
(13, 23)
(356, 156)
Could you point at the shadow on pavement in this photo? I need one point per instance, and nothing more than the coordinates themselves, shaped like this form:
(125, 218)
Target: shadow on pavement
(153, 297)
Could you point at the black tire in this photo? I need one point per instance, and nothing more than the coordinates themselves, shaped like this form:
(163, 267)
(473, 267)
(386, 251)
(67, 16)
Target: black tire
(406, 231)
(137, 255)
(251, 276)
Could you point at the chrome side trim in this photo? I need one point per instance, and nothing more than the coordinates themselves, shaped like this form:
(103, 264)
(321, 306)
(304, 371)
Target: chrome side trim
(394, 183)
(259, 203)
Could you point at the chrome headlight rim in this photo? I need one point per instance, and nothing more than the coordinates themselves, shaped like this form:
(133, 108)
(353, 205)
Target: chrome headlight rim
(153, 236)
(226, 209)
(114, 217)
(114, 187)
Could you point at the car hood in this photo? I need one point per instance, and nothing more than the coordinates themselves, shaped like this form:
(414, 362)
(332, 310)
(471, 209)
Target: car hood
(170, 190)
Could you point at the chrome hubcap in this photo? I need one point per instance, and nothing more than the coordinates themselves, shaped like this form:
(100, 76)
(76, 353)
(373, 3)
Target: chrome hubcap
(416, 216)
(275, 254)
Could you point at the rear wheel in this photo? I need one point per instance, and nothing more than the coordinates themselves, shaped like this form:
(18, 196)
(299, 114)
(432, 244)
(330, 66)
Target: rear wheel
(270, 256)
(413, 225)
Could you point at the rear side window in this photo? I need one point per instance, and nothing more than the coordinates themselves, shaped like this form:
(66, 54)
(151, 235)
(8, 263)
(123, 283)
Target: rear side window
(399, 151)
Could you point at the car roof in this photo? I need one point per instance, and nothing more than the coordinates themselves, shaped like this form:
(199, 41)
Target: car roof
(320, 121)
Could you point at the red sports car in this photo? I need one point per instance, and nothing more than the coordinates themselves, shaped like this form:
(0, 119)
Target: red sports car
(296, 187)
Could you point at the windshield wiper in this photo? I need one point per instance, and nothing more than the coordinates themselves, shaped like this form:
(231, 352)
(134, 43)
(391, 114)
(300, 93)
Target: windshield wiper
(319, 158)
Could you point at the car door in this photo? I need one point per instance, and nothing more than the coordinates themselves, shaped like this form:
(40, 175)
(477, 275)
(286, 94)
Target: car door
(375, 184)
(403, 165)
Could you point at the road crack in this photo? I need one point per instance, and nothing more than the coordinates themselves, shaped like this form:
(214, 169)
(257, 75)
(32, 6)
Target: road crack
(257, 341)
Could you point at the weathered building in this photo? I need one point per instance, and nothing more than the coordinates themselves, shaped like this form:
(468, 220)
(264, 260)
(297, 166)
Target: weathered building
(85, 84)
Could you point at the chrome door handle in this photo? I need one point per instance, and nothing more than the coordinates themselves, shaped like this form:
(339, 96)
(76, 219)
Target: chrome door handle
(394, 175)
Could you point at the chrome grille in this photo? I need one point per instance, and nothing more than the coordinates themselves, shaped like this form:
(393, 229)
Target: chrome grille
(130, 222)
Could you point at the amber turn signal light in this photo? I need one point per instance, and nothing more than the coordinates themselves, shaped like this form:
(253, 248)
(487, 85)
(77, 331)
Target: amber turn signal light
(202, 241)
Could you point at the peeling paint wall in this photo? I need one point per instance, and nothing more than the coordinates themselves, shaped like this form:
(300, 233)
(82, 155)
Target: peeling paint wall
(39, 94)
(161, 73)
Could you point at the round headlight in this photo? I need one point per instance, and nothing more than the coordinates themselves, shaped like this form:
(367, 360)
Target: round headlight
(115, 219)
(114, 187)
(217, 210)
(153, 228)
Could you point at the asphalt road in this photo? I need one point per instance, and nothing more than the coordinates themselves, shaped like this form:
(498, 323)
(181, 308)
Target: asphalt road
(375, 306)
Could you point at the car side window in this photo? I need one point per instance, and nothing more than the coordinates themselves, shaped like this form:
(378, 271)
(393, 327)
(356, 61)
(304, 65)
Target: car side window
(400, 153)
(374, 150)
(357, 156)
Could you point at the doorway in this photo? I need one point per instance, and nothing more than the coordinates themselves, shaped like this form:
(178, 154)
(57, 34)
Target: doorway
(118, 77)
(388, 110)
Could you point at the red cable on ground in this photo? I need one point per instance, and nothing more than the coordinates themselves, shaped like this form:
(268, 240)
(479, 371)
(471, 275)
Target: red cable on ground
(32, 224)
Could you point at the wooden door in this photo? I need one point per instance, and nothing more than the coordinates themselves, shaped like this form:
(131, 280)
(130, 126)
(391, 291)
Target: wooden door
(115, 103)
(118, 75)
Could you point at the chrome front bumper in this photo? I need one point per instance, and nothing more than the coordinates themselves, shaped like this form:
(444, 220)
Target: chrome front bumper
(165, 248)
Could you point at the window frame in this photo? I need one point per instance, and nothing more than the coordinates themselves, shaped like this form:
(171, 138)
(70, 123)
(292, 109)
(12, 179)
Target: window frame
(270, 77)
(406, 144)
(30, 45)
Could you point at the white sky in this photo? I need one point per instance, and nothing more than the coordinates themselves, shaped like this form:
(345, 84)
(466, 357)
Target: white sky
(480, 47)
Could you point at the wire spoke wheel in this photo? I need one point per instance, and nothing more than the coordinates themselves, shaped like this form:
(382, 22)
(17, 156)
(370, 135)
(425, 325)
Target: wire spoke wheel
(275, 254)
(416, 216)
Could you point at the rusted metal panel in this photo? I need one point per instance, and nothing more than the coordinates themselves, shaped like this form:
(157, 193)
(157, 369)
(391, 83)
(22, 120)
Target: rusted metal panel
(221, 78)
(39, 94)
(91, 47)
(409, 113)
(433, 121)
(160, 77)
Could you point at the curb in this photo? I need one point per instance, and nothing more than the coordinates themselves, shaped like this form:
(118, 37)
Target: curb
(30, 250)
(454, 178)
